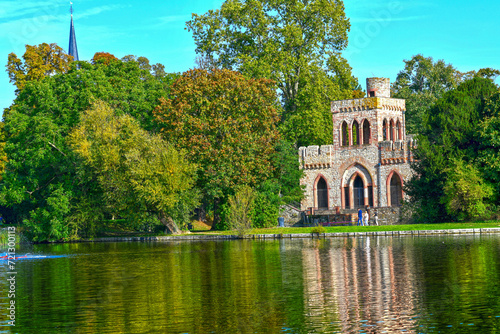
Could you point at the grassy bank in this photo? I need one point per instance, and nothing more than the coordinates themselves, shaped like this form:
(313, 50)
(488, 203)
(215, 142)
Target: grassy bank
(337, 229)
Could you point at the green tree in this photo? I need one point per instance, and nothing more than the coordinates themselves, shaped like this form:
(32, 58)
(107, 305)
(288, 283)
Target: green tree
(451, 150)
(287, 173)
(38, 62)
(3, 156)
(141, 174)
(465, 191)
(41, 168)
(489, 147)
(421, 83)
(267, 204)
(297, 44)
(226, 123)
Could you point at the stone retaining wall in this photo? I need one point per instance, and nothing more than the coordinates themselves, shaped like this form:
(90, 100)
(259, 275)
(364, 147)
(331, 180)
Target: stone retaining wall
(299, 235)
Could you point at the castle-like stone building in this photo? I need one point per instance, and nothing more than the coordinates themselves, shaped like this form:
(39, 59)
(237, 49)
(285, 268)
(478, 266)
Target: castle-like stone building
(369, 160)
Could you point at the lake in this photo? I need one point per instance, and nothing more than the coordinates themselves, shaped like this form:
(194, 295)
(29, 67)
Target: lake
(409, 284)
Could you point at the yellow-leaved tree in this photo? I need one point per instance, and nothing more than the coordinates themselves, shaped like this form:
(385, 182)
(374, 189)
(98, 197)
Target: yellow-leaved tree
(37, 62)
(142, 176)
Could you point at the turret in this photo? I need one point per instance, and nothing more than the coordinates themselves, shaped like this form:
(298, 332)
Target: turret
(378, 87)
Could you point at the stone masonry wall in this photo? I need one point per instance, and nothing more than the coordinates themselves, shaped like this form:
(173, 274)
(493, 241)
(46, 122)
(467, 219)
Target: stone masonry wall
(378, 87)
(378, 152)
(336, 166)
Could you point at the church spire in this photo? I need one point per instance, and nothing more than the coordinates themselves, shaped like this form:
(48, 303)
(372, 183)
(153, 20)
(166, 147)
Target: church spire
(73, 50)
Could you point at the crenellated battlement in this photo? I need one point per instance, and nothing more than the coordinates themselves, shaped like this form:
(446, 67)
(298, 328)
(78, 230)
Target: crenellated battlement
(315, 150)
(395, 152)
(368, 161)
(316, 156)
(368, 103)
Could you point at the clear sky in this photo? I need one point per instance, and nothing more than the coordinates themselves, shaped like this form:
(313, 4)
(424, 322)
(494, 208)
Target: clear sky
(383, 32)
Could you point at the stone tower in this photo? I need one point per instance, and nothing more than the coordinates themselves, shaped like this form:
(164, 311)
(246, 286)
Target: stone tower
(368, 162)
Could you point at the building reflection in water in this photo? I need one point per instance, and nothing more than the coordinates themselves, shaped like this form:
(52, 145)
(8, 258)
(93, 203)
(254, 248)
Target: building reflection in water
(359, 284)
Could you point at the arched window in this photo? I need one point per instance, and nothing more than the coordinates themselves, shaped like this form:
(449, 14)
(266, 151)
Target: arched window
(366, 132)
(391, 130)
(345, 134)
(355, 133)
(384, 130)
(396, 190)
(398, 130)
(358, 192)
(322, 194)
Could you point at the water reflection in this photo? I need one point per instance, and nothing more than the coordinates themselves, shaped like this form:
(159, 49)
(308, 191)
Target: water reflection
(361, 284)
(341, 285)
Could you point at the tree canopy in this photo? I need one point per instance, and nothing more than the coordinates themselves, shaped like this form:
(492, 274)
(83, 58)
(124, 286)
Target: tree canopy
(140, 174)
(38, 62)
(43, 184)
(227, 125)
(457, 170)
(297, 44)
(423, 81)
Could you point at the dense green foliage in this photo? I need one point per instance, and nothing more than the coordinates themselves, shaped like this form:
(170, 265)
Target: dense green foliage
(297, 44)
(227, 123)
(141, 175)
(423, 81)
(43, 186)
(73, 165)
(458, 155)
(240, 208)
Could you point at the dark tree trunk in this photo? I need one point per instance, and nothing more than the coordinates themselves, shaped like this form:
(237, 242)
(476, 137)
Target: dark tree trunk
(216, 222)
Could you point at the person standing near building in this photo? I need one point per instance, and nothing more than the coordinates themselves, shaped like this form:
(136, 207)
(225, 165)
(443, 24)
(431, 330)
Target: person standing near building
(366, 217)
(375, 217)
(360, 217)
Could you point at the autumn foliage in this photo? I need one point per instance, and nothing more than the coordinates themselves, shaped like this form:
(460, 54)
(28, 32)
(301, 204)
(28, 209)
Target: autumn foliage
(103, 57)
(38, 62)
(226, 123)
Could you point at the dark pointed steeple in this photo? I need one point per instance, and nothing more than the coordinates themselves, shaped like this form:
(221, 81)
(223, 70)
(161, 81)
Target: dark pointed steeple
(73, 50)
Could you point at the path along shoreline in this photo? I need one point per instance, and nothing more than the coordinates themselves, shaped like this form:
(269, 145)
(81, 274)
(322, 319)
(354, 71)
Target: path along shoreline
(192, 237)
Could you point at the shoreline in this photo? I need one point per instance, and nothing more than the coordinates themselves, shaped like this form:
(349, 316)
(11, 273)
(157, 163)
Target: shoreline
(194, 237)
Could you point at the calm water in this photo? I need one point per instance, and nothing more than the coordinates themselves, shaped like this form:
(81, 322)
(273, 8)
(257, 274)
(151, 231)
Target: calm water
(351, 285)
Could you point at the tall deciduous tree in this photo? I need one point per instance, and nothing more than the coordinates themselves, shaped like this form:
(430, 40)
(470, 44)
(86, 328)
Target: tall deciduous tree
(42, 185)
(38, 62)
(454, 146)
(226, 123)
(141, 174)
(421, 83)
(298, 44)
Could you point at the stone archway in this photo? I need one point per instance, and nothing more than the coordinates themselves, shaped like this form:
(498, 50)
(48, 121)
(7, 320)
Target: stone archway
(356, 187)
(394, 189)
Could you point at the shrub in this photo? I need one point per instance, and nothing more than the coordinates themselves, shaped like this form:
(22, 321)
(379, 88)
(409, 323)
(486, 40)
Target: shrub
(240, 209)
(318, 229)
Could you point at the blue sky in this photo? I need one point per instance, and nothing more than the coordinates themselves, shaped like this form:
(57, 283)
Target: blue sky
(383, 32)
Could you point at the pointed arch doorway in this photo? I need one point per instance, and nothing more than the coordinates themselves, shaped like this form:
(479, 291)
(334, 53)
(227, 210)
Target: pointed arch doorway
(395, 190)
(322, 193)
(358, 192)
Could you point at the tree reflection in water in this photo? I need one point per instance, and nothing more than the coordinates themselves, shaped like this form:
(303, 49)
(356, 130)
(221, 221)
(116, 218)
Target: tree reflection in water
(342, 285)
